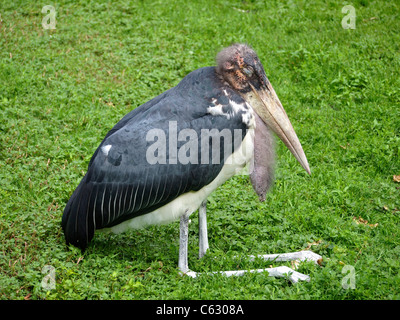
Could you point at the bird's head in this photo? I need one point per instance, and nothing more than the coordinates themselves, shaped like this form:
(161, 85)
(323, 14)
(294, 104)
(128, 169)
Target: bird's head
(239, 66)
(242, 70)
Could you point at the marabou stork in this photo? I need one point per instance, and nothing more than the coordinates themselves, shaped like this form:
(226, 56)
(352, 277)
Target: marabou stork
(162, 160)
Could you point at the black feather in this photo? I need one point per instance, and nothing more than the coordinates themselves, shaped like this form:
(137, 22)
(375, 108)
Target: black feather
(122, 184)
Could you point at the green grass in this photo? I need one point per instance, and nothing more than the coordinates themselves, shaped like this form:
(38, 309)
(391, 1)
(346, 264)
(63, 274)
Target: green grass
(62, 90)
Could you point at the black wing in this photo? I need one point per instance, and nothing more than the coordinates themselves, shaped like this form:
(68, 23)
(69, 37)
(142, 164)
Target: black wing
(127, 178)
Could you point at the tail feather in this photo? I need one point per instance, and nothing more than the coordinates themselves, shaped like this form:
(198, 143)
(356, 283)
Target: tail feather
(77, 221)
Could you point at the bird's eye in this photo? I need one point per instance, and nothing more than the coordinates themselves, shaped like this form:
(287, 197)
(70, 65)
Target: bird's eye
(248, 71)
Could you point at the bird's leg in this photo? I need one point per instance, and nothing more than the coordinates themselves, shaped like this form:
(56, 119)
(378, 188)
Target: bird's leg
(203, 236)
(183, 243)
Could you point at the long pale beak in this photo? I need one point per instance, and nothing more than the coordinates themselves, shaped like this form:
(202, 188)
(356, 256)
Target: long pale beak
(268, 107)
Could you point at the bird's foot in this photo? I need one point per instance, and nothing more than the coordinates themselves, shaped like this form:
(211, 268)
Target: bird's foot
(305, 255)
(277, 272)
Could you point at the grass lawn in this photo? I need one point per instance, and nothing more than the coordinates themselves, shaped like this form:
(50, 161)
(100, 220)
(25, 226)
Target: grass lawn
(62, 90)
